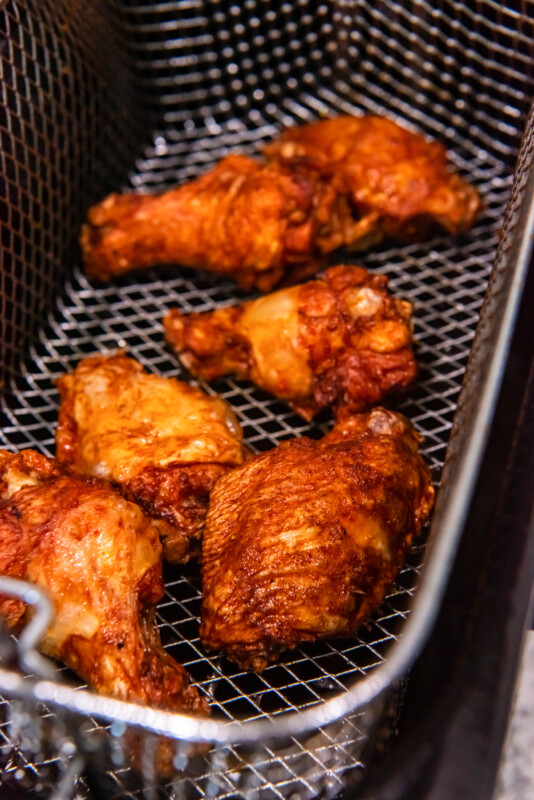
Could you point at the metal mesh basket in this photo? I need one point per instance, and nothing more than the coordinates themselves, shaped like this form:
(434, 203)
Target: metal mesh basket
(108, 95)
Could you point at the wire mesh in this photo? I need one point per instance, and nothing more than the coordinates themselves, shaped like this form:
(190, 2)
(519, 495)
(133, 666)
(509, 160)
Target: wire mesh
(212, 78)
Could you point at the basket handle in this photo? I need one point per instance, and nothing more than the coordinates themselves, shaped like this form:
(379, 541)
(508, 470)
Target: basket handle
(33, 662)
(30, 659)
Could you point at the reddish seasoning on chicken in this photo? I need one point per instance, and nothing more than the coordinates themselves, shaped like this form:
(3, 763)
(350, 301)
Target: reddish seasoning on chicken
(243, 219)
(341, 341)
(398, 183)
(98, 558)
(303, 542)
(345, 182)
(163, 442)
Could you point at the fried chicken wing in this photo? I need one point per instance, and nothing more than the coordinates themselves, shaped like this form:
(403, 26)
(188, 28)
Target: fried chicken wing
(341, 182)
(243, 219)
(398, 182)
(340, 341)
(303, 542)
(163, 442)
(98, 557)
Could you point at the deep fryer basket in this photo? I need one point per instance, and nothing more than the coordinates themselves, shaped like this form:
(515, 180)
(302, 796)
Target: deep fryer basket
(102, 95)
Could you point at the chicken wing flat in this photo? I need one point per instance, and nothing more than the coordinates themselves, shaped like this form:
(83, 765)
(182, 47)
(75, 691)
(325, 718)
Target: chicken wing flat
(303, 542)
(163, 442)
(98, 557)
(340, 341)
(243, 219)
(341, 182)
(398, 182)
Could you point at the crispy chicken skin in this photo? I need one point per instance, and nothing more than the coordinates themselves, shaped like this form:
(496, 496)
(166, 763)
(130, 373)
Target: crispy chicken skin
(163, 442)
(98, 557)
(303, 542)
(243, 219)
(340, 341)
(341, 182)
(398, 181)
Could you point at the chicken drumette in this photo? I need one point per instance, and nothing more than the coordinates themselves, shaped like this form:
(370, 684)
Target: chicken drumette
(341, 182)
(162, 442)
(340, 341)
(98, 557)
(244, 219)
(302, 542)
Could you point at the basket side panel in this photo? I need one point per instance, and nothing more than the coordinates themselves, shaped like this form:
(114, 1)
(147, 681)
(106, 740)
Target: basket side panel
(460, 71)
(66, 114)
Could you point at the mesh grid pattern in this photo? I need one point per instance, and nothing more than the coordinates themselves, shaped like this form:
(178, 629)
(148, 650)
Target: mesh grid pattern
(56, 81)
(213, 78)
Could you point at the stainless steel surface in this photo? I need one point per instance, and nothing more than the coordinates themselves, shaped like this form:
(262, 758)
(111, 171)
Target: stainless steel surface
(209, 78)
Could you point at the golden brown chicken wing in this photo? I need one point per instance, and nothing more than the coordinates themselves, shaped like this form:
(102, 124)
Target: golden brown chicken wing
(163, 442)
(241, 219)
(340, 341)
(98, 557)
(398, 182)
(303, 541)
(342, 182)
